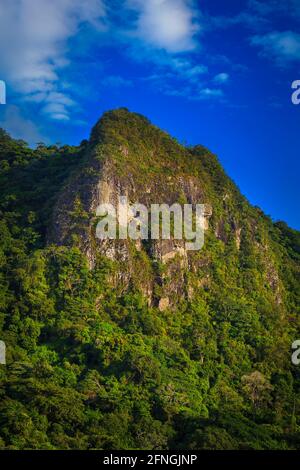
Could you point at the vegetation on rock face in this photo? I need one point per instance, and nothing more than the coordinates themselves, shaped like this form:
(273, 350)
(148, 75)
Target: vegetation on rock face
(91, 364)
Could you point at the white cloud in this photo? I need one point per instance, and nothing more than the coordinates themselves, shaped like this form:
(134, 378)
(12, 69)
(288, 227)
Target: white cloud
(196, 70)
(116, 81)
(283, 47)
(20, 127)
(186, 69)
(33, 42)
(249, 18)
(208, 93)
(221, 78)
(191, 93)
(259, 15)
(36, 36)
(166, 34)
(170, 25)
(170, 72)
(56, 110)
(262, 8)
(278, 7)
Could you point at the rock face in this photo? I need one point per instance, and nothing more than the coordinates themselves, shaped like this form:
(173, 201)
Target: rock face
(128, 157)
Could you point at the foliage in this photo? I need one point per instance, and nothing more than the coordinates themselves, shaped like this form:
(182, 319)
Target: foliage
(92, 368)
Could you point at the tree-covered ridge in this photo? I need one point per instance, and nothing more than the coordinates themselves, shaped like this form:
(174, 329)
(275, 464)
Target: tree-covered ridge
(91, 366)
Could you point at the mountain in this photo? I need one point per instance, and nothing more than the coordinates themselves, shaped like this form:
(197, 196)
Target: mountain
(141, 344)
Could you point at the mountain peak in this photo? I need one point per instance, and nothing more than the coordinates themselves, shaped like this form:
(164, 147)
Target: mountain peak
(120, 119)
(130, 157)
(141, 342)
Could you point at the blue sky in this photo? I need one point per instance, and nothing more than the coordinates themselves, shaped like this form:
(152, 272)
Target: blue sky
(213, 72)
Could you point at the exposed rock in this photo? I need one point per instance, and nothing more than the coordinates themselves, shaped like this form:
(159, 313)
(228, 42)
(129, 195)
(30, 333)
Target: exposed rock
(238, 237)
(112, 170)
(163, 304)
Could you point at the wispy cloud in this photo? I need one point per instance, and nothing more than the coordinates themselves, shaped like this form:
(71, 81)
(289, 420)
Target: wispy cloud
(57, 111)
(209, 93)
(283, 46)
(166, 34)
(258, 15)
(221, 78)
(289, 8)
(34, 38)
(116, 81)
(248, 19)
(186, 69)
(43, 42)
(188, 92)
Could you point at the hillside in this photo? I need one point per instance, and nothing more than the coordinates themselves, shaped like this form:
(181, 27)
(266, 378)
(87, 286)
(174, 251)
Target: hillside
(141, 344)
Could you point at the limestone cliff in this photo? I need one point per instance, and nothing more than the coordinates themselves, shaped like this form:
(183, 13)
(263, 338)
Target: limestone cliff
(128, 156)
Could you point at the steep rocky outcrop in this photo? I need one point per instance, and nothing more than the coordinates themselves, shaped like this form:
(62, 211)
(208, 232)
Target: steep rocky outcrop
(128, 156)
(142, 344)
